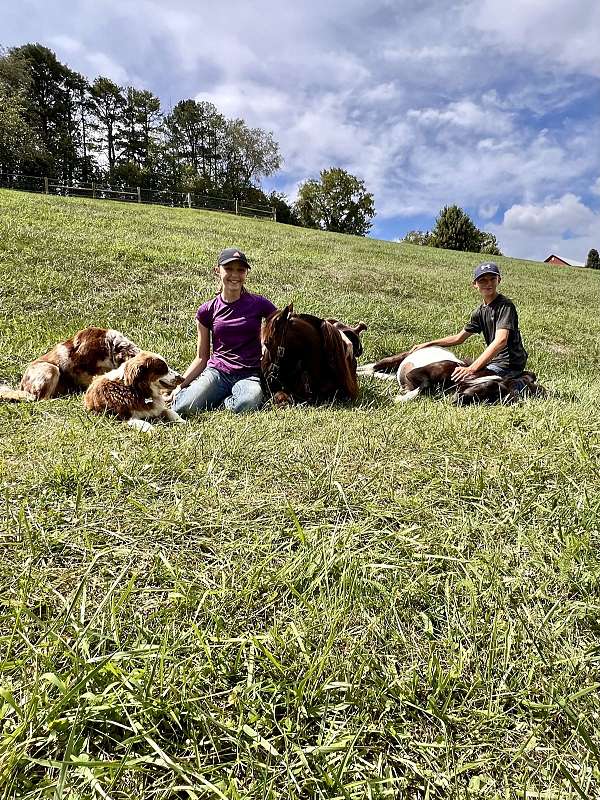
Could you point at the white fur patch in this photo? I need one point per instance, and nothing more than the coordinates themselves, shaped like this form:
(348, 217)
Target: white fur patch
(141, 425)
(64, 358)
(115, 374)
(429, 355)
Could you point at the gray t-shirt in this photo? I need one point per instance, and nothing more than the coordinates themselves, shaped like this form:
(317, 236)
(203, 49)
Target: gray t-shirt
(487, 319)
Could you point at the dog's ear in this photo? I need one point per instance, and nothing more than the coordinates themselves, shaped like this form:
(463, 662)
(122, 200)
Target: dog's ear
(132, 371)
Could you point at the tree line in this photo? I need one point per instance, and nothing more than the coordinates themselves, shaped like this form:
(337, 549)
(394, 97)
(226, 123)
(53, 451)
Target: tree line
(56, 123)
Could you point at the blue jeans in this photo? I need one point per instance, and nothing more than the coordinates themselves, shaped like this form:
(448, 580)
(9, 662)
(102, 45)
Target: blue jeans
(213, 387)
(504, 372)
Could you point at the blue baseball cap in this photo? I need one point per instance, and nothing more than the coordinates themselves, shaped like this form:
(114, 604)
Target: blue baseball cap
(488, 268)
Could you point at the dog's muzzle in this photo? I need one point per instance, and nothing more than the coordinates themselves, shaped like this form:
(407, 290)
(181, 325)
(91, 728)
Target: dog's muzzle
(171, 380)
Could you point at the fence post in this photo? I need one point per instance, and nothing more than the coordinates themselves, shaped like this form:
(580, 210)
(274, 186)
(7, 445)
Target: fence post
(189, 200)
(236, 205)
(45, 185)
(139, 191)
(274, 210)
(94, 190)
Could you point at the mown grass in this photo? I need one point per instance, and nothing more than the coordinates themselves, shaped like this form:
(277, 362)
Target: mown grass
(365, 601)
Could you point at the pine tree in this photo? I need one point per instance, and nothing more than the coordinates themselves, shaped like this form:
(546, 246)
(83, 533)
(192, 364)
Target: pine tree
(593, 259)
(454, 230)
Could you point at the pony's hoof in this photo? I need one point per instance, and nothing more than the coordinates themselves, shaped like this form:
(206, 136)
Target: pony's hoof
(365, 370)
(282, 400)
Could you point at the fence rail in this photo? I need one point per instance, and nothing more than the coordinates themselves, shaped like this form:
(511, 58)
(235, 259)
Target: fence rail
(133, 194)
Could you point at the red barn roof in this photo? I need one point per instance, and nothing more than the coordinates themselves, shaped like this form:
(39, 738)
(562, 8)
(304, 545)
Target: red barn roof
(554, 259)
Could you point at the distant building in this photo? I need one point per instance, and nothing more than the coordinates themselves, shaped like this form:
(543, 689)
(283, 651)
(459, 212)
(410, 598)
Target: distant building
(554, 259)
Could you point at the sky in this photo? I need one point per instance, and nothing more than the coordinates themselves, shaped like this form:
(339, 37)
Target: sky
(493, 105)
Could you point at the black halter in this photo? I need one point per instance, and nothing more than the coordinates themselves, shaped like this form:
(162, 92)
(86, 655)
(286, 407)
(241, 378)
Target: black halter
(274, 369)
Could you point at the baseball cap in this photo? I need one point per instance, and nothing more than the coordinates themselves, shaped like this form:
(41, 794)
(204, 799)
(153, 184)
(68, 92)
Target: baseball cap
(232, 254)
(487, 268)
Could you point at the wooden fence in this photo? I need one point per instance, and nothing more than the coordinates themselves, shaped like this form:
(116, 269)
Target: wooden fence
(134, 194)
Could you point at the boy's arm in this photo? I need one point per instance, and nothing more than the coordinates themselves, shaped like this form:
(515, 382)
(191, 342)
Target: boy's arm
(499, 343)
(446, 341)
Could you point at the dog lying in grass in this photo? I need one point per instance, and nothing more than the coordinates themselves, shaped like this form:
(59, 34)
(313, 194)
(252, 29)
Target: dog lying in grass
(134, 392)
(71, 365)
(429, 370)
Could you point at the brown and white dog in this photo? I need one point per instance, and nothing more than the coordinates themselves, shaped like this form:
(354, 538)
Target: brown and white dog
(430, 369)
(134, 391)
(70, 366)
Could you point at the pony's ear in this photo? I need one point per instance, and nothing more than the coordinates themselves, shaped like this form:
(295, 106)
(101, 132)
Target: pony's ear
(287, 312)
(132, 371)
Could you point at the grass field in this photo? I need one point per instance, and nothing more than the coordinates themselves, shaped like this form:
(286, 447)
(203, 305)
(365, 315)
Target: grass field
(367, 601)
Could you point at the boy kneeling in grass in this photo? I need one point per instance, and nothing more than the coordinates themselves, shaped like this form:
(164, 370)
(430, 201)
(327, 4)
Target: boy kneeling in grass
(497, 319)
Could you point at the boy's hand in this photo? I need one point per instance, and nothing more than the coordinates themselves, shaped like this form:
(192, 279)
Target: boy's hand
(418, 347)
(462, 374)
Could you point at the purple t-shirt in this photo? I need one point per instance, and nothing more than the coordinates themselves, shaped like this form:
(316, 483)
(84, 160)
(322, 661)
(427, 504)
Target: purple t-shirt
(235, 329)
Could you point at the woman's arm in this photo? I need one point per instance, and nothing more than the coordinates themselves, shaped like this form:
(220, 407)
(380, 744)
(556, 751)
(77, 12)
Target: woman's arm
(446, 341)
(202, 353)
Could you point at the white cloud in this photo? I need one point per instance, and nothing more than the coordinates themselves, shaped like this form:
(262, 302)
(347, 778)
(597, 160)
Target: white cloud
(556, 217)
(488, 211)
(564, 226)
(596, 187)
(561, 31)
(90, 61)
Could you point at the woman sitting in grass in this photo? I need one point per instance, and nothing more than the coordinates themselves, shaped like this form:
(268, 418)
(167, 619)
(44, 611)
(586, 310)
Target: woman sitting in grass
(233, 321)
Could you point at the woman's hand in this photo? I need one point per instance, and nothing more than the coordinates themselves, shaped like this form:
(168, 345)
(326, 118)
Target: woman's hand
(170, 397)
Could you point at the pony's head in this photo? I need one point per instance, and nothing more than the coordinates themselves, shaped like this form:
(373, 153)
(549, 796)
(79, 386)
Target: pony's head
(273, 339)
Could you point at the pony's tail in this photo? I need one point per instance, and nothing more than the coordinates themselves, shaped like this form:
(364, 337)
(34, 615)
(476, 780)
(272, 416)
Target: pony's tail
(10, 395)
(341, 359)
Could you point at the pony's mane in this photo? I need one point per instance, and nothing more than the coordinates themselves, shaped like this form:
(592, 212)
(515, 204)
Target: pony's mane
(339, 358)
(269, 323)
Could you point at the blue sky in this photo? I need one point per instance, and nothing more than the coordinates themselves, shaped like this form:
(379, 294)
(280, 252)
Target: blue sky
(490, 104)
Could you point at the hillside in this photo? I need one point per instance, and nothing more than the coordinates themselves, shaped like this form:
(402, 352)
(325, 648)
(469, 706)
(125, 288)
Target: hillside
(343, 602)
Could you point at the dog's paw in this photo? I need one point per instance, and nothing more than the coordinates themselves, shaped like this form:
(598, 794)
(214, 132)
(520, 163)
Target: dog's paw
(141, 425)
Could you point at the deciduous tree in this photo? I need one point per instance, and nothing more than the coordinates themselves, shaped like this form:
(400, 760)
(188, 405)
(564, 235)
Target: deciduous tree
(338, 201)
(418, 237)
(488, 244)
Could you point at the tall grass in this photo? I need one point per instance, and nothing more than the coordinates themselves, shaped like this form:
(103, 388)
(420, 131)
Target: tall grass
(363, 601)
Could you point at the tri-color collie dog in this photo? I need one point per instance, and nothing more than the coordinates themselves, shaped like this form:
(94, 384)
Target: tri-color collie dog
(135, 391)
(430, 369)
(71, 366)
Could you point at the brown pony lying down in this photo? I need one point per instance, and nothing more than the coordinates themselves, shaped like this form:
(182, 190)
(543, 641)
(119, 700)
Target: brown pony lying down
(70, 366)
(134, 391)
(307, 359)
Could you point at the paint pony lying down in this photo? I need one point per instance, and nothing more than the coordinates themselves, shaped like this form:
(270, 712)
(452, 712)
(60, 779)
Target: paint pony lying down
(497, 375)
(430, 369)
